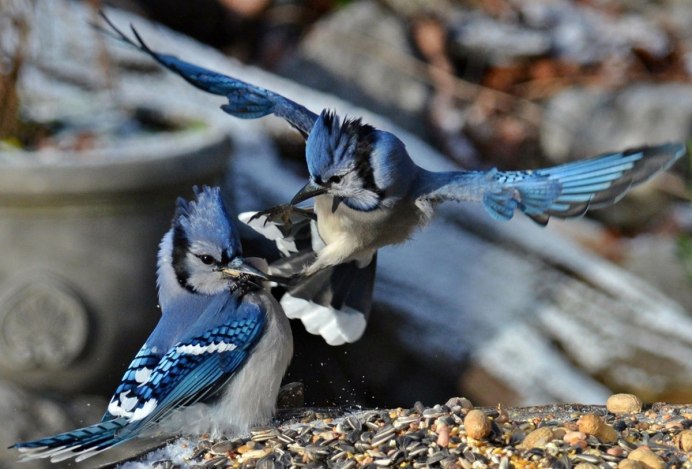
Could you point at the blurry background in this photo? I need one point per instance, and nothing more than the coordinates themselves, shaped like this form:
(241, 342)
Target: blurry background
(507, 313)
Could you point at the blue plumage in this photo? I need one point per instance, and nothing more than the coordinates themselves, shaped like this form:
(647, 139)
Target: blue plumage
(369, 193)
(220, 336)
(331, 148)
(194, 365)
(245, 101)
(144, 362)
(564, 191)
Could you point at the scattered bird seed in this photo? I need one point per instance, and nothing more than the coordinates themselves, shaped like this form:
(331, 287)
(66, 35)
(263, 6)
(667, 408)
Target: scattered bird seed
(440, 436)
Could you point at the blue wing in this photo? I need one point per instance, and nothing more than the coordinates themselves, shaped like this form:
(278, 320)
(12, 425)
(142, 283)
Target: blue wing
(245, 101)
(563, 191)
(138, 372)
(190, 371)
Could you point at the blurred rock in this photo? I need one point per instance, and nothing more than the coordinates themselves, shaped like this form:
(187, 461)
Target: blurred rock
(582, 122)
(246, 8)
(584, 34)
(659, 260)
(585, 121)
(446, 118)
(477, 36)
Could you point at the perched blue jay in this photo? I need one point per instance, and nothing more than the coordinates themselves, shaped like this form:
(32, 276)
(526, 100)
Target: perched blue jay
(214, 362)
(369, 193)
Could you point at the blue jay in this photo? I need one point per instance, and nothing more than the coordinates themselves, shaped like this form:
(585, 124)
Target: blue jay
(214, 362)
(368, 193)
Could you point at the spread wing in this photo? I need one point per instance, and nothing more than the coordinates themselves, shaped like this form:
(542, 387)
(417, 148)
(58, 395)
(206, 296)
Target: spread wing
(563, 191)
(245, 101)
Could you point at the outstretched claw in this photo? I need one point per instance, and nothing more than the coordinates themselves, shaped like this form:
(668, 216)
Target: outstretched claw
(283, 216)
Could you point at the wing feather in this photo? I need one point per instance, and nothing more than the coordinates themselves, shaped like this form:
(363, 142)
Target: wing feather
(563, 191)
(193, 368)
(245, 101)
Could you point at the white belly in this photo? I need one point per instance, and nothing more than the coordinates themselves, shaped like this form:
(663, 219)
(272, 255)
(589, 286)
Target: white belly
(365, 232)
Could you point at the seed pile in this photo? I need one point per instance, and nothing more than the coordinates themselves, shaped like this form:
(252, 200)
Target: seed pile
(455, 435)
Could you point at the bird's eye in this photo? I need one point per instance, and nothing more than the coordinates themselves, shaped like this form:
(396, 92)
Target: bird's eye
(335, 179)
(206, 259)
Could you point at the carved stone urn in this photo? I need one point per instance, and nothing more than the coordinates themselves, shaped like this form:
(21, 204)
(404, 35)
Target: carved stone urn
(79, 235)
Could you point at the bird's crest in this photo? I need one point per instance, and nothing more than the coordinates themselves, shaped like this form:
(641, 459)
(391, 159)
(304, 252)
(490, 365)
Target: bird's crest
(333, 144)
(206, 218)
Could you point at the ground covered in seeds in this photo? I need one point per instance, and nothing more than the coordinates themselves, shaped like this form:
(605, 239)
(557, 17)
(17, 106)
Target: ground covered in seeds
(456, 435)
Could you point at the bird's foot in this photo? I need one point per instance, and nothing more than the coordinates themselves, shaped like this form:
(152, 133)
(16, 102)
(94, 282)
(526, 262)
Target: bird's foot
(283, 216)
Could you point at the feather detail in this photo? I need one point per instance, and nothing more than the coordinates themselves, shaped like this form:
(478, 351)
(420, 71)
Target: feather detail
(81, 443)
(245, 101)
(563, 191)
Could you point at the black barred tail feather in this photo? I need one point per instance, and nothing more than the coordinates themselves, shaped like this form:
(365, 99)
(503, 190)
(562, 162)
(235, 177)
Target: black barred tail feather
(334, 303)
(79, 444)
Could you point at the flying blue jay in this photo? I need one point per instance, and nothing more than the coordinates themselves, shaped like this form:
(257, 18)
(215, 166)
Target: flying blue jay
(214, 362)
(369, 193)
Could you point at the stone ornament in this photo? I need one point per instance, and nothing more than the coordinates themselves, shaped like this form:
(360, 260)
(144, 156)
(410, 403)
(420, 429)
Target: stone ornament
(44, 324)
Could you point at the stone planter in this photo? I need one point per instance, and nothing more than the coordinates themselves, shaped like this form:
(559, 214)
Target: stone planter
(78, 240)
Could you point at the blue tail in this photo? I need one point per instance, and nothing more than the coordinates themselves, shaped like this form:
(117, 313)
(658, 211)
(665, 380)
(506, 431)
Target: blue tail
(79, 444)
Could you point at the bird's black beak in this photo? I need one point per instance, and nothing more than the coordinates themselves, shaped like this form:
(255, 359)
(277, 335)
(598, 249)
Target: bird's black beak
(308, 191)
(238, 267)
